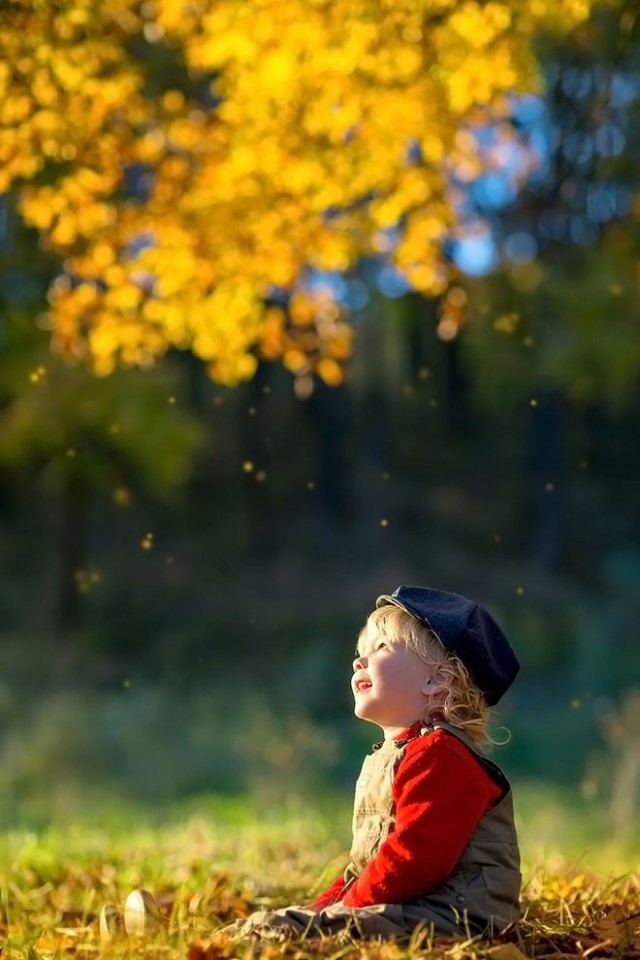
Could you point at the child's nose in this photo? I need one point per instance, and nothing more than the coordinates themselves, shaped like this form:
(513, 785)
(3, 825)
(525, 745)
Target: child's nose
(358, 664)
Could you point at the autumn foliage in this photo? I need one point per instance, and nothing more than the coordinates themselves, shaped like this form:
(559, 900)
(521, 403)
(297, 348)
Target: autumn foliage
(54, 902)
(290, 136)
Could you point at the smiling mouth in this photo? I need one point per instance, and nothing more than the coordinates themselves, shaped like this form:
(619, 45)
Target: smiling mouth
(361, 685)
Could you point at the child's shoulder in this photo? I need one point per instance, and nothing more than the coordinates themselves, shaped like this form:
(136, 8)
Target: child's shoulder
(441, 743)
(439, 739)
(441, 748)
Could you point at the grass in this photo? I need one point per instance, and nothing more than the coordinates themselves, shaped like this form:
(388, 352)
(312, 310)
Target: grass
(216, 859)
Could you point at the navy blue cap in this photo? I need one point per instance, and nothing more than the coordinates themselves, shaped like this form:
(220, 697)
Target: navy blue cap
(467, 631)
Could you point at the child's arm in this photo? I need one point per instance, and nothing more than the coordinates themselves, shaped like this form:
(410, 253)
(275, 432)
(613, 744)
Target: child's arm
(332, 894)
(440, 792)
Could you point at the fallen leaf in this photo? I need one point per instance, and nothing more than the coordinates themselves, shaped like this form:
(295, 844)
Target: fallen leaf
(201, 951)
(506, 951)
(616, 927)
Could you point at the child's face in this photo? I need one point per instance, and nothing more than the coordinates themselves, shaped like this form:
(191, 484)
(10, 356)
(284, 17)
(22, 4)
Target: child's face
(390, 685)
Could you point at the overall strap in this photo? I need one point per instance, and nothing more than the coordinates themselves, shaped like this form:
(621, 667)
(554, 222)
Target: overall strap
(490, 766)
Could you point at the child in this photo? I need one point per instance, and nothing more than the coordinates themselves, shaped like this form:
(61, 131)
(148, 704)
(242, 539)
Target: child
(434, 843)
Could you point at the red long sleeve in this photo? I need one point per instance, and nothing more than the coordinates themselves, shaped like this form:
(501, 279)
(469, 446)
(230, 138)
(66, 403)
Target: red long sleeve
(331, 895)
(440, 791)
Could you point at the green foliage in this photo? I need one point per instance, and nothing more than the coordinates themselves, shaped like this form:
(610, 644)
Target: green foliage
(155, 746)
(109, 435)
(574, 332)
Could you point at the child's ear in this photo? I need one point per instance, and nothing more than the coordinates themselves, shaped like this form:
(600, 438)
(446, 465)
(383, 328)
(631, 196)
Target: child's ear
(433, 688)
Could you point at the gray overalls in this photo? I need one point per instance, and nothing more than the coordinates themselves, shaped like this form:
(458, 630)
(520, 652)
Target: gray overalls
(479, 897)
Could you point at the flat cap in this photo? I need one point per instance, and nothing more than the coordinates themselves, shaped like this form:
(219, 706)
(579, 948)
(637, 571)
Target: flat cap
(467, 631)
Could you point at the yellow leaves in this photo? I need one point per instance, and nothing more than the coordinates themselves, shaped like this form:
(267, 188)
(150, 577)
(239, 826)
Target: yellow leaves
(184, 134)
(296, 361)
(102, 255)
(417, 254)
(273, 335)
(70, 210)
(173, 101)
(478, 79)
(52, 942)
(479, 24)
(301, 310)
(70, 73)
(15, 109)
(174, 266)
(115, 274)
(565, 886)
(577, 10)
(385, 213)
(311, 337)
(45, 121)
(124, 298)
(565, 13)
(231, 371)
(333, 254)
(303, 162)
(330, 371)
(86, 295)
(65, 231)
(303, 175)
(285, 265)
(38, 210)
(452, 314)
(275, 74)
(408, 62)
(224, 327)
(150, 147)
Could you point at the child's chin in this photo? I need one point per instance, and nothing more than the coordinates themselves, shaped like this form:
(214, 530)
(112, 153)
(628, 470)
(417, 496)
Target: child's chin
(362, 713)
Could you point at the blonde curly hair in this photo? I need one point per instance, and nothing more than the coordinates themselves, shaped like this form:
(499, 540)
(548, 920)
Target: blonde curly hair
(462, 703)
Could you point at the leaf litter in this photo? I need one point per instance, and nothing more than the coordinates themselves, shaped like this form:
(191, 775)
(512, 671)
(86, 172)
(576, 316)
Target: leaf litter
(52, 913)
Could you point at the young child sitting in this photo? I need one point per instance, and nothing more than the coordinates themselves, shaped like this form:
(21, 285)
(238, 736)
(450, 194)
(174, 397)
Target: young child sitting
(434, 842)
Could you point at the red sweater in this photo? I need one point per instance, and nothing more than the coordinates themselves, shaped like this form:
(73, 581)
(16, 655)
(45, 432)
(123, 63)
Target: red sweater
(440, 792)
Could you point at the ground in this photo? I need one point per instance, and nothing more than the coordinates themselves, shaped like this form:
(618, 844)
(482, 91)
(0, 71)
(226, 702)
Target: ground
(223, 859)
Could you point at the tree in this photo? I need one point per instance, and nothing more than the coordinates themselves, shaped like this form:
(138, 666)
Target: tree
(292, 138)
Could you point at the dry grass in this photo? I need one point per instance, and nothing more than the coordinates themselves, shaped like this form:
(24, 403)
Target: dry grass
(210, 870)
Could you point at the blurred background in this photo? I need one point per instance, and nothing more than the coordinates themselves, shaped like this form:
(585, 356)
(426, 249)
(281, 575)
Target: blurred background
(185, 564)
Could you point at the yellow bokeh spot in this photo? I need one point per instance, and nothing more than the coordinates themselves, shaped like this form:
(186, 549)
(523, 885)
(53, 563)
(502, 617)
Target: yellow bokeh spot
(173, 101)
(457, 297)
(507, 322)
(296, 361)
(303, 387)
(87, 579)
(526, 277)
(330, 372)
(447, 329)
(38, 375)
(122, 497)
(102, 255)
